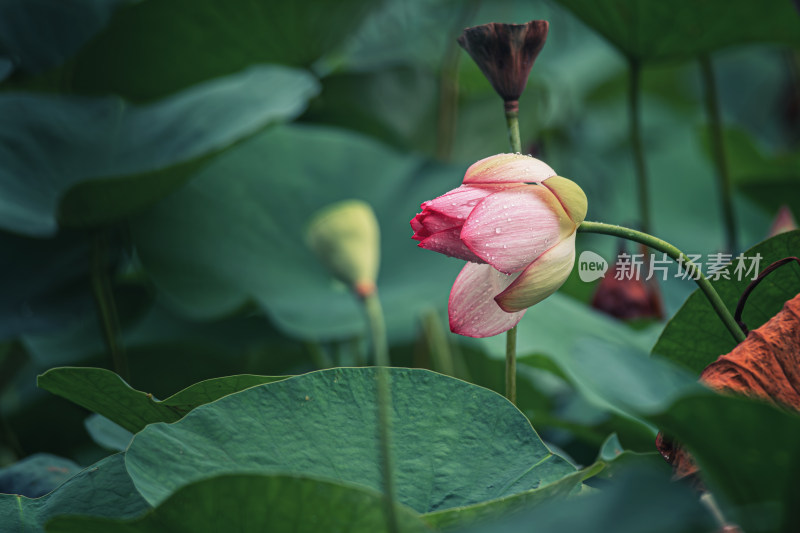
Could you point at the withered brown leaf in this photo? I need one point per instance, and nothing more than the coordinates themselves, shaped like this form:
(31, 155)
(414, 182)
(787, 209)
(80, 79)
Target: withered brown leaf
(766, 365)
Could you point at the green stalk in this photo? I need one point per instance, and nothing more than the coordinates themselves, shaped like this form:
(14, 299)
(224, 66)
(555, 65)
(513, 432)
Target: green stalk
(512, 120)
(635, 128)
(106, 307)
(436, 339)
(380, 347)
(674, 253)
(447, 116)
(718, 151)
(511, 365)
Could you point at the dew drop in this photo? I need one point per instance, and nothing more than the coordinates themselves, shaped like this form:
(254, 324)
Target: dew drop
(497, 230)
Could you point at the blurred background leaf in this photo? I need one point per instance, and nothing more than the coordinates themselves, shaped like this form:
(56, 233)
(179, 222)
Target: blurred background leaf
(238, 501)
(683, 29)
(51, 143)
(151, 49)
(244, 239)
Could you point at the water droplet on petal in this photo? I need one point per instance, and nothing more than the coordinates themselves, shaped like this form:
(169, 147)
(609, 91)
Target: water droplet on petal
(497, 230)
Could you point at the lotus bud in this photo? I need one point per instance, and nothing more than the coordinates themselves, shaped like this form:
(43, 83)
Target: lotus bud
(346, 239)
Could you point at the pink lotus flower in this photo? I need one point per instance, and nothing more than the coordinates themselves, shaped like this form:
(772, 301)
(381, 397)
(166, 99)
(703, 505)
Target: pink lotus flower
(514, 221)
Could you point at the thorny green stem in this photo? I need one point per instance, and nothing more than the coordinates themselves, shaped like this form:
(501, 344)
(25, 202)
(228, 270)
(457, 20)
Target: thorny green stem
(718, 151)
(380, 347)
(512, 119)
(674, 253)
(635, 128)
(106, 307)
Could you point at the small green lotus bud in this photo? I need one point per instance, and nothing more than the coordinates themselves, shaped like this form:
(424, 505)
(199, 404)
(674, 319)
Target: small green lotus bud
(346, 239)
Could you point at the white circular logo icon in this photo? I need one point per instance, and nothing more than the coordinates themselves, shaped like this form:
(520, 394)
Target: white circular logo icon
(591, 266)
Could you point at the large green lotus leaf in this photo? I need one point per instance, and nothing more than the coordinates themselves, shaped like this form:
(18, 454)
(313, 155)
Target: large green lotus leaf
(450, 519)
(256, 503)
(453, 443)
(42, 34)
(52, 143)
(153, 48)
(641, 500)
(681, 29)
(245, 237)
(105, 393)
(695, 336)
(747, 454)
(103, 489)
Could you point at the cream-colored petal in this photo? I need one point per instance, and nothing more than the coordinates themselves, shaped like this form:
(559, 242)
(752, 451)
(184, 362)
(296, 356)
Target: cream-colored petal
(571, 196)
(541, 278)
(508, 168)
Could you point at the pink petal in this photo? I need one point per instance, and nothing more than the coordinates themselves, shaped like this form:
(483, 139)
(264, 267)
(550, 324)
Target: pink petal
(541, 279)
(417, 225)
(510, 229)
(508, 168)
(433, 222)
(473, 311)
(460, 202)
(448, 243)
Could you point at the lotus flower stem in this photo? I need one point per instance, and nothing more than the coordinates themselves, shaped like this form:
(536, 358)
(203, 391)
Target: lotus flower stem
(634, 114)
(441, 354)
(718, 151)
(512, 119)
(106, 307)
(677, 255)
(377, 325)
